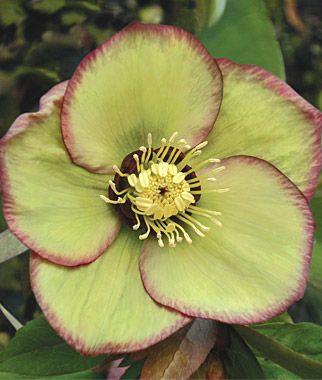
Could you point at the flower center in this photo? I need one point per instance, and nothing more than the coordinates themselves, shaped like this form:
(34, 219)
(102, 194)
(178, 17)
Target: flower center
(157, 190)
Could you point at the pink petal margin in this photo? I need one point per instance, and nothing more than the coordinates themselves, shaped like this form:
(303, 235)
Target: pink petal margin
(89, 60)
(47, 101)
(53, 97)
(78, 343)
(272, 310)
(312, 114)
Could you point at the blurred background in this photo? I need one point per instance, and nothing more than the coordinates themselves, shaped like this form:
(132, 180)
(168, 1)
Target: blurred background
(42, 42)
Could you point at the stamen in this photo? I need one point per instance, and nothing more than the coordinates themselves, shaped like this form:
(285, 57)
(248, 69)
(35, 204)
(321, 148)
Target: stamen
(197, 231)
(193, 220)
(149, 139)
(111, 201)
(169, 160)
(206, 214)
(168, 234)
(204, 163)
(204, 210)
(113, 187)
(173, 137)
(184, 232)
(220, 191)
(118, 171)
(150, 152)
(174, 159)
(165, 151)
(144, 150)
(138, 222)
(147, 233)
(191, 154)
(137, 161)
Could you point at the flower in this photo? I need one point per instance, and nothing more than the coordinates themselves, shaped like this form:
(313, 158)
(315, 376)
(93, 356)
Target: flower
(206, 160)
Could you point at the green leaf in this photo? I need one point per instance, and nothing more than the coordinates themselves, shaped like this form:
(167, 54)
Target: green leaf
(48, 6)
(37, 352)
(274, 371)
(313, 302)
(133, 371)
(72, 17)
(10, 246)
(315, 277)
(295, 347)
(245, 34)
(11, 13)
(239, 360)
(285, 317)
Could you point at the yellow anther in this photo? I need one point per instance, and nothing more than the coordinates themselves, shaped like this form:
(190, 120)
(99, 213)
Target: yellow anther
(144, 178)
(188, 197)
(163, 168)
(179, 177)
(173, 170)
(138, 187)
(168, 211)
(155, 168)
(179, 202)
(158, 214)
(170, 227)
(132, 179)
(152, 209)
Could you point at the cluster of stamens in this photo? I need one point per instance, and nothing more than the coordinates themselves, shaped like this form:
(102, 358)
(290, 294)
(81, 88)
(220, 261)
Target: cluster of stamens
(157, 190)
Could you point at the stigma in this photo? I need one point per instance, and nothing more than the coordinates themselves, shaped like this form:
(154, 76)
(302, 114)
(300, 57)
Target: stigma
(157, 190)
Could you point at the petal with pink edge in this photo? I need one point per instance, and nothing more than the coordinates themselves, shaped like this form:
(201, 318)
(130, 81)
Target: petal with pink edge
(251, 268)
(103, 307)
(263, 117)
(146, 78)
(50, 204)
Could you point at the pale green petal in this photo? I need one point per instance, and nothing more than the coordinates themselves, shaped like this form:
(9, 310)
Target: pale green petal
(147, 78)
(103, 307)
(50, 204)
(251, 268)
(262, 116)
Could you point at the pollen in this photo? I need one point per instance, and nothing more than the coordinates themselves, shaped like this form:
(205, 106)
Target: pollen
(157, 191)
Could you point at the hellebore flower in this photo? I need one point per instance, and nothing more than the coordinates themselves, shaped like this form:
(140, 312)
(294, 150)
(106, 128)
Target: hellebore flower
(153, 187)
